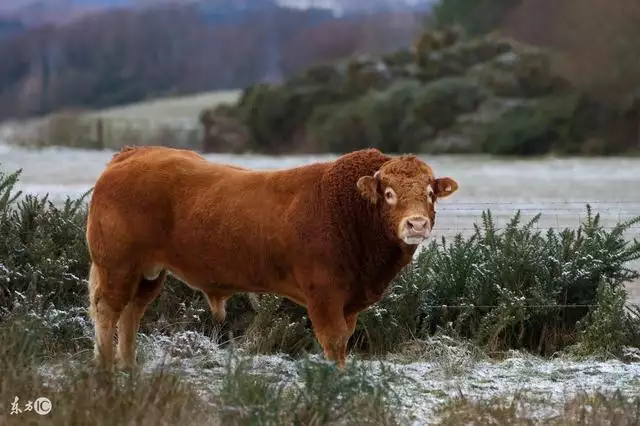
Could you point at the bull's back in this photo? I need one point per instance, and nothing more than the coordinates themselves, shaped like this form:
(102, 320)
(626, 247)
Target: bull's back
(207, 223)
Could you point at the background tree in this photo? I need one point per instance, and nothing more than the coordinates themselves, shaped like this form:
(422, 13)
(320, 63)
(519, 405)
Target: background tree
(476, 17)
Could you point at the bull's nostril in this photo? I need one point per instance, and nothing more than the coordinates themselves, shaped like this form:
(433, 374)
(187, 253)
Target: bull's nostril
(418, 225)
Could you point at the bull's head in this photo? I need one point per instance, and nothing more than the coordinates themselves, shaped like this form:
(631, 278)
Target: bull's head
(405, 192)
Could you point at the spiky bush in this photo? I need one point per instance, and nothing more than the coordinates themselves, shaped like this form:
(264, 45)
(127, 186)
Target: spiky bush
(278, 326)
(514, 288)
(42, 249)
(400, 118)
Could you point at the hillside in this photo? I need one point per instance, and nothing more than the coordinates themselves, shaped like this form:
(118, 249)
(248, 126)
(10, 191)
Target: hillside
(448, 93)
(123, 56)
(34, 13)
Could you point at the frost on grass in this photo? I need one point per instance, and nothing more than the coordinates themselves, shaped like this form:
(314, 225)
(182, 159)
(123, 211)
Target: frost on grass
(433, 374)
(407, 388)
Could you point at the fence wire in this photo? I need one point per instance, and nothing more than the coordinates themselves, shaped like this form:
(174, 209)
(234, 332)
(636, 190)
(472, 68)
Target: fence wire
(462, 216)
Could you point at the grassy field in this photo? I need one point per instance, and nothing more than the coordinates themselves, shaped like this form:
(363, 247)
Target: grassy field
(168, 121)
(183, 107)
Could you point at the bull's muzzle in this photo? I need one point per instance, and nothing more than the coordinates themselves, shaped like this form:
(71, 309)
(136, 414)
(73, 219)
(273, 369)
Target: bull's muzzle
(415, 229)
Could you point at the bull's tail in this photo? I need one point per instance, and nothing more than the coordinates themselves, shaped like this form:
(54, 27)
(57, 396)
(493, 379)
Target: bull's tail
(93, 287)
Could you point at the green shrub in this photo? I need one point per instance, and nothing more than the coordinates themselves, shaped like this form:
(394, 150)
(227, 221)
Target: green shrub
(457, 59)
(398, 119)
(476, 17)
(515, 288)
(609, 327)
(439, 103)
(557, 122)
(42, 249)
(340, 128)
(534, 287)
(373, 120)
(364, 75)
(274, 114)
(279, 326)
(325, 74)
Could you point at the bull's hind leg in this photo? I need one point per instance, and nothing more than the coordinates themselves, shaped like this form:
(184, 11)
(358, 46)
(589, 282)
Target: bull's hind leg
(129, 323)
(109, 293)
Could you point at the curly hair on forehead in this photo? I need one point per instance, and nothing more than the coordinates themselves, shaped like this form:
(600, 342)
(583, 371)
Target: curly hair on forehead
(407, 165)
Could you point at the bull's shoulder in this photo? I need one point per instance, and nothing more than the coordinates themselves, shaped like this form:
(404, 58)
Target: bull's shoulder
(348, 168)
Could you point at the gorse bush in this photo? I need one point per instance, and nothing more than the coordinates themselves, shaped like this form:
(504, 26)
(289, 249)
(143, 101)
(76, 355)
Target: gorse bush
(514, 288)
(278, 326)
(42, 249)
(400, 118)
(499, 289)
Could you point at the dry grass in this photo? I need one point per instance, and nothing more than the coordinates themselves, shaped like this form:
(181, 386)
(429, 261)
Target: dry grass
(81, 394)
(35, 364)
(584, 409)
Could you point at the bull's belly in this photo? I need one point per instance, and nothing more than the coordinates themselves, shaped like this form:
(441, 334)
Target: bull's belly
(228, 274)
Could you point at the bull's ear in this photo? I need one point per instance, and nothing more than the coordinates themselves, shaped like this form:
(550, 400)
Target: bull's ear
(368, 187)
(445, 186)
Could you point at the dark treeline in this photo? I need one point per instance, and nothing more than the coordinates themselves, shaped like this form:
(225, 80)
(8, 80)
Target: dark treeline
(122, 56)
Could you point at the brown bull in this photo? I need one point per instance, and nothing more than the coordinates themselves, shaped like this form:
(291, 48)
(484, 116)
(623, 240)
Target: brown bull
(329, 236)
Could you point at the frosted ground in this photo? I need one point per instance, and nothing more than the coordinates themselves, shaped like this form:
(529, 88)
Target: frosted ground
(558, 188)
(424, 386)
(446, 370)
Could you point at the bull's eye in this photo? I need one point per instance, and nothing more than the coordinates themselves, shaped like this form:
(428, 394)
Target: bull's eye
(390, 196)
(430, 194)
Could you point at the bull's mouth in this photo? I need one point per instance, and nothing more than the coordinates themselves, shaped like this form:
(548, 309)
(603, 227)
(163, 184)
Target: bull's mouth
(414, 239)
(414, 229)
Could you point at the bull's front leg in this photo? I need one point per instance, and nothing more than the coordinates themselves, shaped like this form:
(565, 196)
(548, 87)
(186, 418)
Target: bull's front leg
(217, 304)
(330, 328)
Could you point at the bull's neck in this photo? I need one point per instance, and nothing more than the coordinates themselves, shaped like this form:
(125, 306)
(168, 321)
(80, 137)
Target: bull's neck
(367, 248)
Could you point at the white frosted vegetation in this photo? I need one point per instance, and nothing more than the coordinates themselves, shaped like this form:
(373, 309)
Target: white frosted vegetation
(452, 369)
